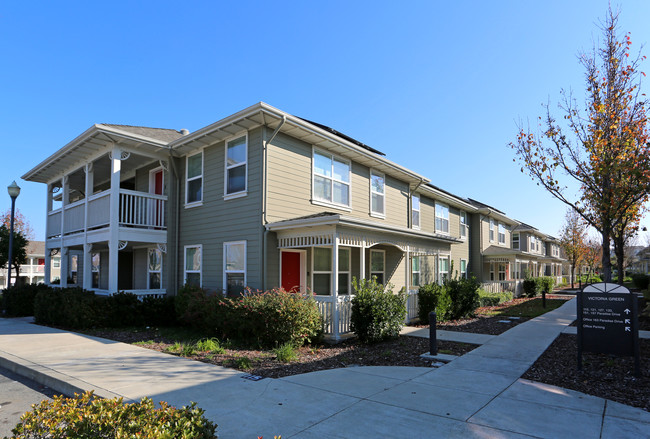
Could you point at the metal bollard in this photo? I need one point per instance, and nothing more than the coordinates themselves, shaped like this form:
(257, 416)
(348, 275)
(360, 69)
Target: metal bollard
(433, 341)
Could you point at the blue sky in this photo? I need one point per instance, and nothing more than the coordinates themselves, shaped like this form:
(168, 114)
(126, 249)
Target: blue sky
(437, 86)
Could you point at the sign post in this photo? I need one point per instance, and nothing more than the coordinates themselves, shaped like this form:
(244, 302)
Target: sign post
(608, 322)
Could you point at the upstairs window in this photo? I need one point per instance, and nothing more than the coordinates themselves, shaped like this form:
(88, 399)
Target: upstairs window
(194, 179)
(236, 162)
(442, 218)
(502, 234)
(463, 224)
(331, 179)
(491, 230)
(377, 193)
(415, 211)
(515, 241)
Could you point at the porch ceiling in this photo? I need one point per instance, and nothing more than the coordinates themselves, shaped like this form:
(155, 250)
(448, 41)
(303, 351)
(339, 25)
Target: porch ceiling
(89, 146)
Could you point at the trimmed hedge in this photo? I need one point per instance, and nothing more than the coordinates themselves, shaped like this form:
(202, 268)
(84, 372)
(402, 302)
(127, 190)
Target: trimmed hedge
(493, 299)
(266, 319)
(377, 313)
(455, 299)
(428, 297)
(86, 417)
(534, 286)
(641, 281)
(18, 300)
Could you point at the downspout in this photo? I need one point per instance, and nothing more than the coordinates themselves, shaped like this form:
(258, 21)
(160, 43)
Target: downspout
(172, 166)
(265, 221)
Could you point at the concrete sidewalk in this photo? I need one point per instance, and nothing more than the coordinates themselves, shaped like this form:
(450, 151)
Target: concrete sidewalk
(478, 395)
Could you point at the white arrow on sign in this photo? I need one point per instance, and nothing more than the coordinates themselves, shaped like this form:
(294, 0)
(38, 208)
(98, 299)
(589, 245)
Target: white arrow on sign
(627, 311)
(627, 321)
(627, 329)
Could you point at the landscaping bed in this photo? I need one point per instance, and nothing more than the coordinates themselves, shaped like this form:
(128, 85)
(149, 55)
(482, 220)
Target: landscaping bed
(602, 375)
(404, 351)
(488, 319)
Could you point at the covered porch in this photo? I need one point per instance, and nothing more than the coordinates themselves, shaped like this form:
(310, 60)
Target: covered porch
(323, 257)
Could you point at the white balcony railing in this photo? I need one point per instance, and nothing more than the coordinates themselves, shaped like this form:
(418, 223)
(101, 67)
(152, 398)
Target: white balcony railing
(513, 286)
(136, 209)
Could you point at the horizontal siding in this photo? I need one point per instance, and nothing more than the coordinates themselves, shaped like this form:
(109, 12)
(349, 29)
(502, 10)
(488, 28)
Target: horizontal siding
(217, 220)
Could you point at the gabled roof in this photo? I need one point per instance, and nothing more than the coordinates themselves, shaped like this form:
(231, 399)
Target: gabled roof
(163, 134)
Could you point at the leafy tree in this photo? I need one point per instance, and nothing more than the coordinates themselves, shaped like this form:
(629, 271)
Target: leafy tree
(19, 253)
(593, 255)
(573, 238)
(20, 223)
(603, 148)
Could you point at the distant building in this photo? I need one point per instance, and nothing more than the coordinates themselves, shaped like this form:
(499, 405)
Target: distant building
(33, 270)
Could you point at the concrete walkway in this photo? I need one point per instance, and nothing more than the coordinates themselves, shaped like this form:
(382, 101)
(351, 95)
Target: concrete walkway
(479, 395)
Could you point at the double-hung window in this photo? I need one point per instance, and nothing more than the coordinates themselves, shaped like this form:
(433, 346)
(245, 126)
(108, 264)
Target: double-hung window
(443, 269)
(491, 230)
(94, 269)
(378, 264)
(415, 211)
(193, 255)
(463, 224)
(74, 259)
(463, 268)
(154, 268)
(234, 267)
(331, 179)
(503, 269)
(415, 271)
(322, 271)
(515, 241)
(236, 166)
(377, 194)
(442, 218)
(502, 234)
(194, 179)
(344, 271)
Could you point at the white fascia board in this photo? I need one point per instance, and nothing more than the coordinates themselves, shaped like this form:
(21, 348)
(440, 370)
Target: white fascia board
(499, 216)
(449, 199)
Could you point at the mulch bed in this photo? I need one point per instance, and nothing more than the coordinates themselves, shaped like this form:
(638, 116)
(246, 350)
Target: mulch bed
(602, 375)
(404, 351)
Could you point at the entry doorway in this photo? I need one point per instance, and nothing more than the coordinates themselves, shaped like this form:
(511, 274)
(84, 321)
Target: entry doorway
(293, 273)
(156, 187)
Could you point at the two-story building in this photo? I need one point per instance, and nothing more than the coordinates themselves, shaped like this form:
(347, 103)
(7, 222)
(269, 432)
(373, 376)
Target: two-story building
(259, 199)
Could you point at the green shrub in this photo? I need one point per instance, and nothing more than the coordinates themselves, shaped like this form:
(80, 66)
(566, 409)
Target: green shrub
(547, 283)
(285, 353)
(463, 299)
(209, 345)
(18, 300)
(72, 308)
(641, 281)
(428, 297)
(377, 314)
(123, 309)
(529, 287)
(86, 417)
(493, 299)
(159, 311)
(589, 279)
(189, 303)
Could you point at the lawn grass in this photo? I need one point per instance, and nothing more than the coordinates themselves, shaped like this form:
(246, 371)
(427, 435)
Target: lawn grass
(531, 308)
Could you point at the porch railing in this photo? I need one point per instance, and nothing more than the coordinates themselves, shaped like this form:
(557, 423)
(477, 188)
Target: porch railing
(513, 286)
(140, 209)
(411, 306)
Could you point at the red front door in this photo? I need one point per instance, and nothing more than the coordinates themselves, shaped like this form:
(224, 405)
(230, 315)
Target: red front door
(291, 271)
(156, 187)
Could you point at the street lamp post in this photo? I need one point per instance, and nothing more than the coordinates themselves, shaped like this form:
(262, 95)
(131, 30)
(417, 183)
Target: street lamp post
(14, 191)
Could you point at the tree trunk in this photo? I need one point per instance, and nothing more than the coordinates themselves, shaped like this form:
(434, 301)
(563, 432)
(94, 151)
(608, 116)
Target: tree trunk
(619, 251)
(606, 259)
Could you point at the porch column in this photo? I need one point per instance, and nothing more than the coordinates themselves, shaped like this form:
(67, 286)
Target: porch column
(335, 286)
(47, 270)
(114, 221)
(64, 201)
(88, 267)
(407, 283)
(362, 260)
(64, 267)
(90, 183)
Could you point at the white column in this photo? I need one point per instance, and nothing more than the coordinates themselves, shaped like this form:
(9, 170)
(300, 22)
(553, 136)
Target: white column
(90, 183)
(64, 267)
(362, 260)
(88, 267)
(407, 283)
(64, 200)
(114, 226)
(335, 286)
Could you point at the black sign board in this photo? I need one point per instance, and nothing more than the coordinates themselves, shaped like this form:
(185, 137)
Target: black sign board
(608, 322)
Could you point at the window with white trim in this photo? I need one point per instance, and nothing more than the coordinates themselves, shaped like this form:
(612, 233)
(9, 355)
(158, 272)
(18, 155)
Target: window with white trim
(502, 234)
(56, 262)
(74, 260)
(236, 165)
(344, 270)
(234, 267)
(463, 268)
(377, 193)
(154, 269)
(491, 230)
(378, 265)
(415, 271)
(443, 269)
(415, 211)
(464, 227)
(193, 256)
(491, 270)
(503, 269)
(331, 179)
(322, 271)
(442, 218)
(95, 262)
(515, 241)
(194, 178)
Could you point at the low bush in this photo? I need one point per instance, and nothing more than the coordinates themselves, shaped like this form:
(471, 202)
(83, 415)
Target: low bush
(72, 308)
(463, 299)
(18, 300)
(122, 309)
(86, 417)
(589, 279)
(641, 281)
(547, 283)
(493, 299)
(159, 311)
(285, 353)
(377, 313)
(428, 297)
(529, 287)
